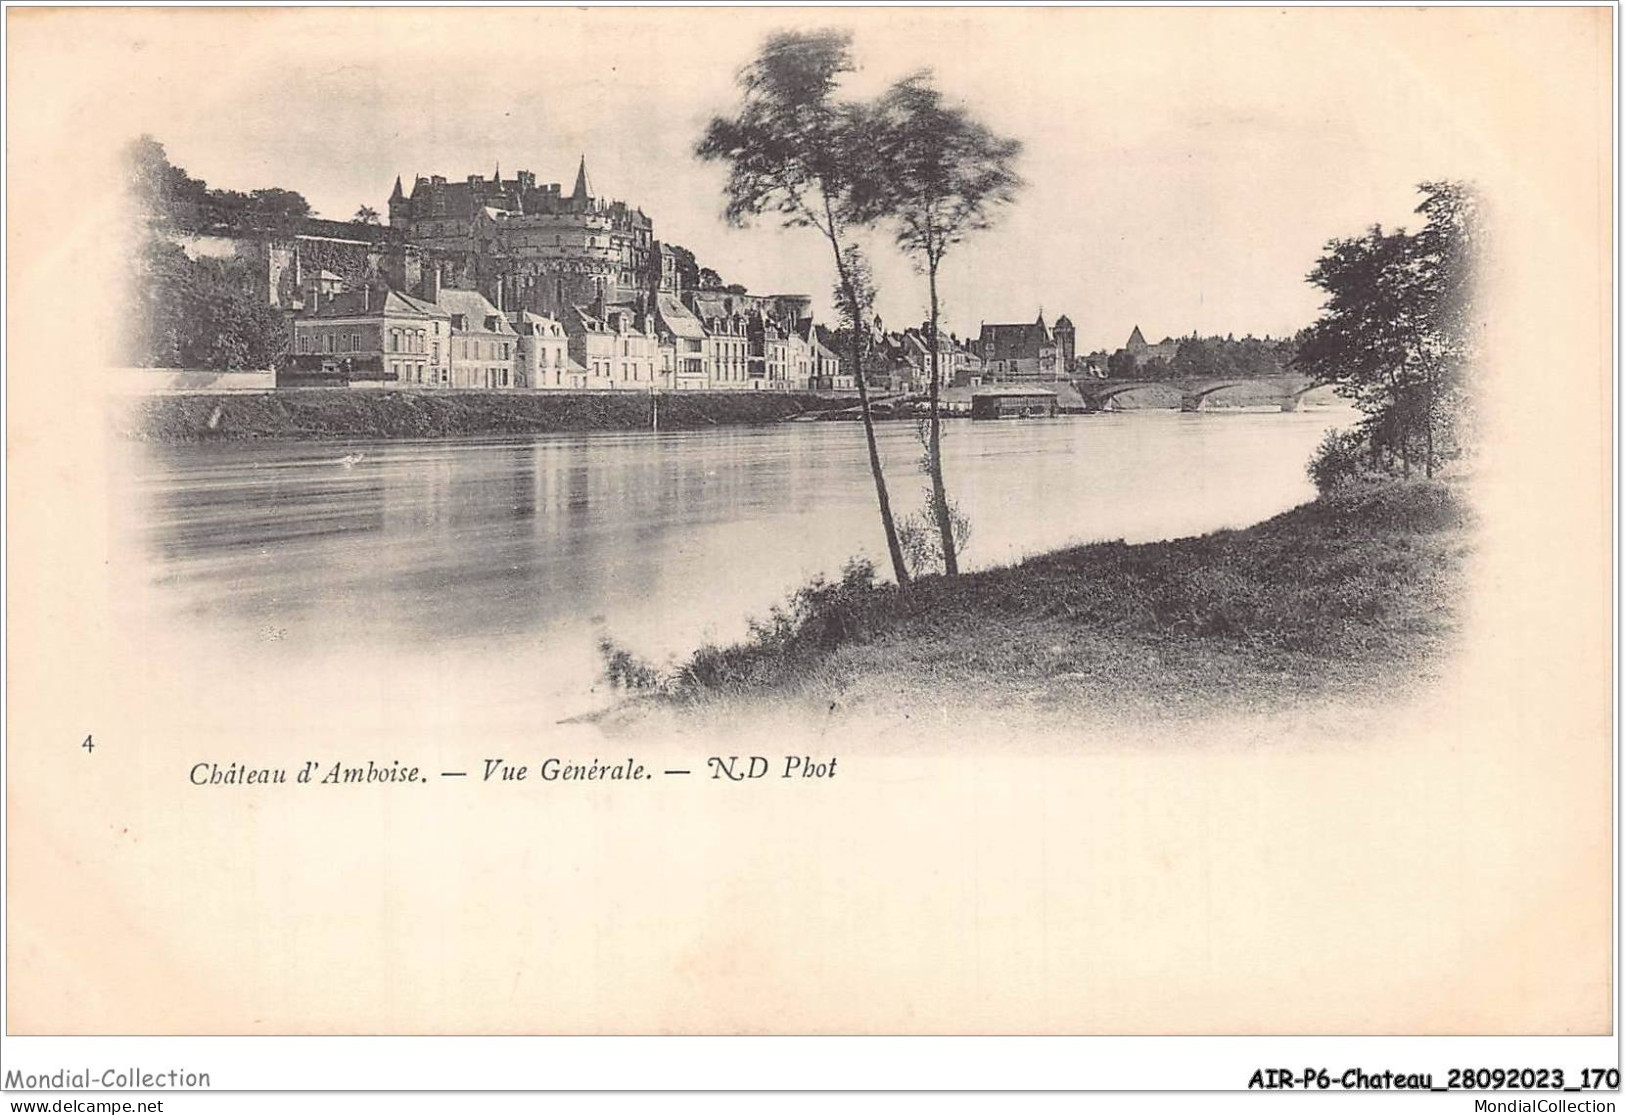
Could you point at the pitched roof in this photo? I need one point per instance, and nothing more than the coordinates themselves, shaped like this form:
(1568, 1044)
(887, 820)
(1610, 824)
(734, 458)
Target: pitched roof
(532, 324)
(475, 310)
(1007, 340)
(676, 317)
(711, 305)
(376, 302)
(417, 305)
(580, 319)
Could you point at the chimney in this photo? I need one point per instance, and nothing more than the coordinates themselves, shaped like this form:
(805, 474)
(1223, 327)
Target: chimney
(501, 285)
(431, 284)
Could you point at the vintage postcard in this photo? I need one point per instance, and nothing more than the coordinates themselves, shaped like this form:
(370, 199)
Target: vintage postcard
(871, 521)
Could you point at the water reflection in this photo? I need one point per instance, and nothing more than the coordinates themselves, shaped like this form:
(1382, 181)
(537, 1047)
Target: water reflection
(669, 538)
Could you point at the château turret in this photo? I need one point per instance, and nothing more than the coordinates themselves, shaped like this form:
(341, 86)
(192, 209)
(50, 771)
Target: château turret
(583, 189)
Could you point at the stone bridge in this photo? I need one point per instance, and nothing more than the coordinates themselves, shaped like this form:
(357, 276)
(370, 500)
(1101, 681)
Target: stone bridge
(1288, 390)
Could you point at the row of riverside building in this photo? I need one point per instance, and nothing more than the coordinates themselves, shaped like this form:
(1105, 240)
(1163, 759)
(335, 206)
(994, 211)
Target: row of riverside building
(456, 338)
(508, 284)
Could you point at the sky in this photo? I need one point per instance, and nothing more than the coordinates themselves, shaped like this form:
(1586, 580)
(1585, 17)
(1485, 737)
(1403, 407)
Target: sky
(1183, 167)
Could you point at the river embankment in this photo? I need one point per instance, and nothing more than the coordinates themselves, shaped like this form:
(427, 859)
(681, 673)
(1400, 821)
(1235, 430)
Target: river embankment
(315, 413)
(1356, 595)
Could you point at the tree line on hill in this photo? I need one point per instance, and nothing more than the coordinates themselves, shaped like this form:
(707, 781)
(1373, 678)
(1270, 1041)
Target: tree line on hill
(168, 194)
(198, 313)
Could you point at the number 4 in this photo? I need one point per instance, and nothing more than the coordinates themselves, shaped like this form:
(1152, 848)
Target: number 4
(88, 745)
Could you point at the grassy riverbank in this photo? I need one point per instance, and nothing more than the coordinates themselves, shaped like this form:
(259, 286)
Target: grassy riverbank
(1355, 594)
(329, 413)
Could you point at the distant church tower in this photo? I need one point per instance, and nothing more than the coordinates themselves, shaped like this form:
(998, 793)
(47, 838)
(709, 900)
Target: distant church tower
(1067, 338)
(400, 210)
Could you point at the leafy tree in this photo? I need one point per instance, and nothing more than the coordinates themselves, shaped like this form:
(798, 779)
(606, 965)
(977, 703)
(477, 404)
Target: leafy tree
(935, 175)
(203, 313)
(366, 215)
(156, 185)
(157, 313)
(232, 327)
(1156, 368)
(277, 207)
(1361, 340)
(169, 195)
(1398, 331)
(790, 152)
(1195, 358)
(708, 280)
(1122, 364)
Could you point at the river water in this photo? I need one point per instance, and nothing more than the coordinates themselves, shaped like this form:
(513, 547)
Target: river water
(517, 551)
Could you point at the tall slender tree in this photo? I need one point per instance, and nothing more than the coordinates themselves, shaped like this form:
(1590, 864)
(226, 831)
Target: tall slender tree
(791, 151)
(935, 175)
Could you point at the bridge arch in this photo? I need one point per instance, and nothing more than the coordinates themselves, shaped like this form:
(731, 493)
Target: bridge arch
(1288, 391)
(1292, 400)
(1098, 393)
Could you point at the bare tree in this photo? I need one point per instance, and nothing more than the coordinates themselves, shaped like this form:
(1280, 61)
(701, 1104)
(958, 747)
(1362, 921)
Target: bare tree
(791, 151)
(936, 175)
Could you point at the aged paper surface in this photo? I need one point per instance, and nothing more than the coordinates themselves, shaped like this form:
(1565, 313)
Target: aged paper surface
(1441, 863)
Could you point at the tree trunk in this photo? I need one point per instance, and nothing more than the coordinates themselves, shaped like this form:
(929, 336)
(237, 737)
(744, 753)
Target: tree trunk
(939, 491)
(887, 522)
(1429, 417)
(1404, 445)
(1402, 427)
